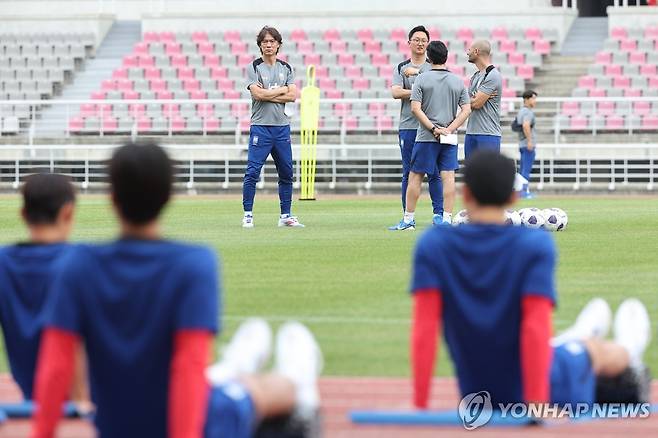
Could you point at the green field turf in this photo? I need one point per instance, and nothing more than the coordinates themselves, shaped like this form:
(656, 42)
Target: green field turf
(346, 276)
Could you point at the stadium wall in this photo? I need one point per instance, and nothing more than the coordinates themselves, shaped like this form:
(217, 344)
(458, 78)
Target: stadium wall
(632, 17)
(98, 24)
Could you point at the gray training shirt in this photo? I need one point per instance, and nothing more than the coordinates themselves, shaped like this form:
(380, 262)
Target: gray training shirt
(278, 75)
(486, 120)
(440, 94)
(526, 115)
(407, 120)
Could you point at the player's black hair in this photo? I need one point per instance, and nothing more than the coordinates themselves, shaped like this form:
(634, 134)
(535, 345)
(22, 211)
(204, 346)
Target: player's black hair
(273, 32)
(141, 177)
(490, 177)
(529, 94)
(419, 29)
(437, 52)
(44, 194)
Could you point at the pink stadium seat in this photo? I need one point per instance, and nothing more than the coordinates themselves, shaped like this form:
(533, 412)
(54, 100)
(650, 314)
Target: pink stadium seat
(651, 32)
(632, 92)
(384, 122)
(98, 95)
(360, 84)
(109, 124)
(136, 109)
(211, 60)
(198, 94)
(333, 94)
(130, 95)
(205, 48)
(467, 81)
(516, 59)
(76, 124)
(459, 70)
(185, 73)
(141, 48)
(403, 47)
(245, 58)
(508, 93)
(199, 36)
(364, 34)
(298, 35)
(338, 46)
(525, 71)
(164, 94)
(88, 109)
(637, 58)
(239, 109)
(205, 109)
(570, 108)
(399, 34)
(211, 124)
(605, 108)
(190, 85)
(578, 123)
(327, 83)
(151, 37)
(614, 122)
(157, 85)
(641, 108)
(238, 47)
(352, 71)
(603, 58)
(321, 71)
(345, 59)
(597, 92)
(331, 35)
(452, 58)
(177, 123)
(178, 60)
(172, 48)
(245, 124)
(465, 34)
(167, 37)
(435, 33)
(130, 61)
(170, 109)
(231, 35)
(533, 33)
(613, 70)
(385, 70)
(628, 45)
(648, 70)
(146, 61)
(376, 108)
(650, 121)
(586, 82)
(103, 109)
(124, 85)
(305, 47)
(542, 47)
(283, 57)
(507, 46)
(120, 73)
(108, 85)
(151, 73)
(312, 59)
(225, 84)
(618, 33)
(499, 33)
(621, 82)
(379, 59)
(143, 124)
(218, 72)
(372, 46)
(653, 82)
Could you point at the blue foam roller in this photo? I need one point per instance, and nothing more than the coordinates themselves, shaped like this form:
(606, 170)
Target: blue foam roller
(25, 409)
(427, 418)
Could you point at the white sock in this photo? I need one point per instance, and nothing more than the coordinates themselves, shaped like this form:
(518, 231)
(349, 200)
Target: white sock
(408, 217)
(447, 217)
(248, 213)
(283, 216)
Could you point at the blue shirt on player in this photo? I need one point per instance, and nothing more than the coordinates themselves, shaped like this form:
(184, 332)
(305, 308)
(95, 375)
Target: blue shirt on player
(127, 299)
(26, 274)
(482, 272)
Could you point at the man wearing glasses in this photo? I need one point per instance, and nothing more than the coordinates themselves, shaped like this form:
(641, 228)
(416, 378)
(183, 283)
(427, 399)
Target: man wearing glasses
(271, 83)
(404, 75)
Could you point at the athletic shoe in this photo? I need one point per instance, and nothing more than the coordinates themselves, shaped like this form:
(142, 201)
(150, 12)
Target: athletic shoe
(633, 329)
(299, 358)
(592, 322)
(437, 219)
(247, 352)
(290, 221)
(526, 195)
(247, 222)
(403, 226)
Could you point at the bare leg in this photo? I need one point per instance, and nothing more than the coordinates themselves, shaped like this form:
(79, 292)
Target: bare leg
(80, 388)
(448, 178)
(272, 394)
(608, 359)
(413, 190)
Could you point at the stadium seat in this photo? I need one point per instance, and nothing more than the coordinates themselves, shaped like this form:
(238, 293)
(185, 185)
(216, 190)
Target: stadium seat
(650, 122)
(571, 108)
(578, 123)
(533, 33)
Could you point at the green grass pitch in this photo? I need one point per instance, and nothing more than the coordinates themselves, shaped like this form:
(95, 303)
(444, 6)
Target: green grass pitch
(347, 277)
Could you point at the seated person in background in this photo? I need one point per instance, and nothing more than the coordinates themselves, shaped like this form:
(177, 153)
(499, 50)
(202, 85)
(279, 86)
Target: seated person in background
(27, 271)
(494, 296)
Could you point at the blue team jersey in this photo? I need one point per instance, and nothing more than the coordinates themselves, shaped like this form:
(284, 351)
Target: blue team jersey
(483, 271)
(127, 299)
(26, 274)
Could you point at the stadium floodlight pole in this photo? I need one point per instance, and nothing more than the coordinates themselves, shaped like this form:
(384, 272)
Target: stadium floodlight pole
(310, 114)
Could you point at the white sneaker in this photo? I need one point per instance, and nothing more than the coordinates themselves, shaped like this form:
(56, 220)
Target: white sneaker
(633, 329)
(289, 221)
(299, 358)
(592, 322)
(247, 352)
(247, 222)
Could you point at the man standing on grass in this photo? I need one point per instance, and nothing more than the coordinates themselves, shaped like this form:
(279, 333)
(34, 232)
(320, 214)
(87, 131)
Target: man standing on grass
(436, 97)
(486, 89)
(404, 75)
(525, 121)
(272, 85)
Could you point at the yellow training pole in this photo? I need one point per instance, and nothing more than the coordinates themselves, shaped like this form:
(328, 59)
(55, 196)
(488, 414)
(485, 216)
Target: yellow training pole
(310, 115)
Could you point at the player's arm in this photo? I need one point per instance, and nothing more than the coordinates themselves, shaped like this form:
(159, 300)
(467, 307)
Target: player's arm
(288, 97)
(424, 335)
(260, 93)
(536, 352)
(400, 93)
(188, 387)
(459, 120)
(527, 131)
(55, 369)
(417, 111)
(480, 98)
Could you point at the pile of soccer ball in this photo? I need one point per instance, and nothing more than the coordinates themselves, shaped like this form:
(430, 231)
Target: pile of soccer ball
(551, 219)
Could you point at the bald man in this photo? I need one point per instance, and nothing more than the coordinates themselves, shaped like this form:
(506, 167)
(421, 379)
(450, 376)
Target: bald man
(483, 130)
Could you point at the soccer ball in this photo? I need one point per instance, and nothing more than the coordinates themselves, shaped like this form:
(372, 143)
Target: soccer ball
(532, 217)
(556, 219)
(512, 218)
(460, 218)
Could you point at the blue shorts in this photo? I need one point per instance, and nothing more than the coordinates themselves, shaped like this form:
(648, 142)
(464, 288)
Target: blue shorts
(473, 142)
(429, 157)
(231, 412)
(572, 377)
